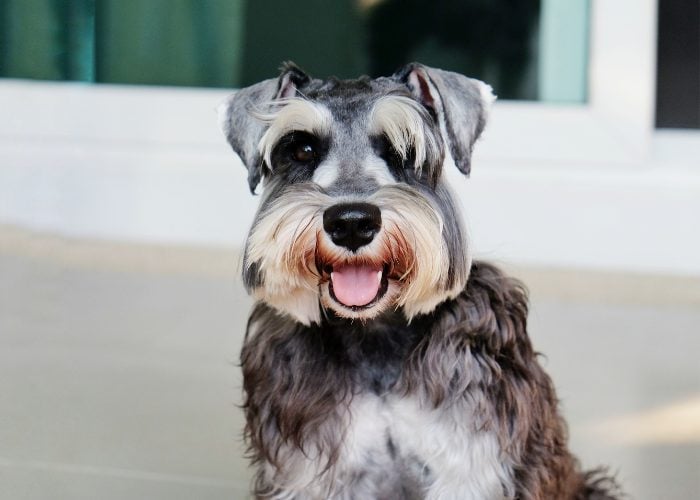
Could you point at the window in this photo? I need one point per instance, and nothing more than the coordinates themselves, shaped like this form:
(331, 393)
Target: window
(527, 49)
(166, 42)
(678, 67)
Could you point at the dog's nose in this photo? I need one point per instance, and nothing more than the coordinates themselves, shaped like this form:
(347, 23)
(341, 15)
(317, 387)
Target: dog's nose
(352, 225)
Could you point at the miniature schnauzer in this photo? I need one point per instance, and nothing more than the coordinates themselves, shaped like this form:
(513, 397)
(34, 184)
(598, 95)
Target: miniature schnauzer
(380, 362)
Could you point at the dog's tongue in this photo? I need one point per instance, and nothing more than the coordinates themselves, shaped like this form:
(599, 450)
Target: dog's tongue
(356, 285)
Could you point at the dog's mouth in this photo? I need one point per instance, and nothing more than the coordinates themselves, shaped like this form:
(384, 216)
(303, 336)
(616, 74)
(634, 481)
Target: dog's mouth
(357, 286)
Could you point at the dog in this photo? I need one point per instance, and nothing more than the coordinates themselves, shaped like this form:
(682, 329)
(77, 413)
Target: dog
(379, 361)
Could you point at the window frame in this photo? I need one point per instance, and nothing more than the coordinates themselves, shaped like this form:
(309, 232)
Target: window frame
(615, 126)
(607, 129)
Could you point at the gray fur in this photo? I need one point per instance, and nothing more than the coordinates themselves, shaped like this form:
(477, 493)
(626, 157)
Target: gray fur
(432, 391)
(460, 102)
(242, 130)
(460, 106)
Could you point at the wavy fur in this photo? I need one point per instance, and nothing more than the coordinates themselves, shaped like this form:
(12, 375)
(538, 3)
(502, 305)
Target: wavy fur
(301, 382)
(432, 390)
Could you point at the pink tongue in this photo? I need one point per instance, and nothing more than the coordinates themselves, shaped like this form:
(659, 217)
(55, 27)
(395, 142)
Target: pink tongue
(356, 285)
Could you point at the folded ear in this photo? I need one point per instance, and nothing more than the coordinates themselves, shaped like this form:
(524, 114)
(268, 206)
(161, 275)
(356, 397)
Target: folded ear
(236, 116)
(460, 105)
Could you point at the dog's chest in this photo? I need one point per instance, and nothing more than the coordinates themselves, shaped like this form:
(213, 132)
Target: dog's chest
(438, 453)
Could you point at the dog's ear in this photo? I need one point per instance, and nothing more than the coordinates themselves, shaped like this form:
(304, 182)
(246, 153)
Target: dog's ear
(460, 105)
(243, 131)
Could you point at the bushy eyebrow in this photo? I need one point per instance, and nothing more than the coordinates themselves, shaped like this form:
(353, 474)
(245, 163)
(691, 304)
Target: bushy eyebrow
(289, 115)
(403, 121)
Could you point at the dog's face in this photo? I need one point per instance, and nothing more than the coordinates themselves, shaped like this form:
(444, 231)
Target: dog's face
(355, 217)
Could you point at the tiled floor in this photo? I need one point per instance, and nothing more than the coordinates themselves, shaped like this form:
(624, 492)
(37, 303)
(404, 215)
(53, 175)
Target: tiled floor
(118, 374)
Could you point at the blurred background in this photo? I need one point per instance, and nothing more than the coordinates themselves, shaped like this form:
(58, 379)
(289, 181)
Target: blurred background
(123, 212)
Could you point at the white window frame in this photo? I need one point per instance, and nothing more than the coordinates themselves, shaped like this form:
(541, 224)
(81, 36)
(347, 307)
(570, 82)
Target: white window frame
(615, 125)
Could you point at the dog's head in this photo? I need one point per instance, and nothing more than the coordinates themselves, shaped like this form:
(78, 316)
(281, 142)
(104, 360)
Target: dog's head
(355, 216)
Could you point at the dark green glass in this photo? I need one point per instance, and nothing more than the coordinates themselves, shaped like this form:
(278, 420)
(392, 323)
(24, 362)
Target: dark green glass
(231, 43)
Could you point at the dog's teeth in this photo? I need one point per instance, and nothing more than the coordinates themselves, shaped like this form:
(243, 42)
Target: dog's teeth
(379, 276)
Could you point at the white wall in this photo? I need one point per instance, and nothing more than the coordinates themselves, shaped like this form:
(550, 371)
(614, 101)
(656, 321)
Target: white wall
(149, 164)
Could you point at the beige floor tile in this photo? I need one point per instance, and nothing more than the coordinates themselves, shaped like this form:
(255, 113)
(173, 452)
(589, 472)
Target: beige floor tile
(118, 374)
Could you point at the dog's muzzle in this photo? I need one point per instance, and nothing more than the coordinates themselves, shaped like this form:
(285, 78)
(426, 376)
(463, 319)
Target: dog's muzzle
(352, 226)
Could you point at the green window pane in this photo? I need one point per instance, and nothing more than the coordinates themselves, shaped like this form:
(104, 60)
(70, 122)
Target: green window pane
(174, 42)
(526, 49)
(323, 37)
(47, 39)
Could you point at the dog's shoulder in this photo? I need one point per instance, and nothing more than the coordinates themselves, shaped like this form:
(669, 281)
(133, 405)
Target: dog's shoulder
(492, 308)
(499, 287)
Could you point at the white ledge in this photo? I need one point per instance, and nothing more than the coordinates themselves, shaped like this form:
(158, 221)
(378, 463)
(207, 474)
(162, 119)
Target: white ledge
(550, 185)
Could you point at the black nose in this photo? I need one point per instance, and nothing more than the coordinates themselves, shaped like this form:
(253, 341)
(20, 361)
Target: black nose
(352, 225)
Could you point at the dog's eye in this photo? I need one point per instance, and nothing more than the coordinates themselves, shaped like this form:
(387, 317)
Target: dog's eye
(303, 152)
(300, 148)
(386, 151)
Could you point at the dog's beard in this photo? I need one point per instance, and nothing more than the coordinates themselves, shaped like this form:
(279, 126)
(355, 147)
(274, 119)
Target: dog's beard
(406, 266)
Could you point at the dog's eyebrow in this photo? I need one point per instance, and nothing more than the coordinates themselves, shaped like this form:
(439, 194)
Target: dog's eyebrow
(288, 115)
(402, 120)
